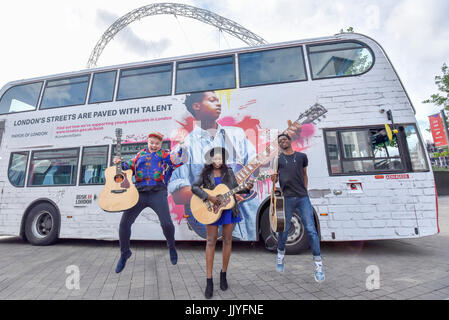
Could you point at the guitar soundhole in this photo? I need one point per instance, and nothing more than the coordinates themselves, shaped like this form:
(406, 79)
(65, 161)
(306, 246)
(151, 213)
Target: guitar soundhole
(119, 178)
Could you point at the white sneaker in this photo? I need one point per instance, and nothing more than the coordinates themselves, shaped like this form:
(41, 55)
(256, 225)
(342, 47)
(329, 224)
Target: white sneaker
(280, 263)
(319, 272)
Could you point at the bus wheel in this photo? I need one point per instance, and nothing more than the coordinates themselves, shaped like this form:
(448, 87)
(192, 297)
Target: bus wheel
(297, 240)
(42, 225)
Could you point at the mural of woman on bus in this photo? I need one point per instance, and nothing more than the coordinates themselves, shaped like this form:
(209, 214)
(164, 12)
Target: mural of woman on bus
(206, 133)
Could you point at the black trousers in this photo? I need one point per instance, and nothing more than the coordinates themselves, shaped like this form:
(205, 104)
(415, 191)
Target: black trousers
(156, 200)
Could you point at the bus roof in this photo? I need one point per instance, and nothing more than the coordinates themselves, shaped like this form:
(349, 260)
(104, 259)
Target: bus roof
(194, 56)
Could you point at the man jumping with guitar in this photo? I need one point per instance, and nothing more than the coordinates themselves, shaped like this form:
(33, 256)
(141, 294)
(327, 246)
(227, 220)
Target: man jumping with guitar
(292, 174)
(150, 166)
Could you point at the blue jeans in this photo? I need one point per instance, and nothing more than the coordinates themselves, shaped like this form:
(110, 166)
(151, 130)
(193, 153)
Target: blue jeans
(304, 207)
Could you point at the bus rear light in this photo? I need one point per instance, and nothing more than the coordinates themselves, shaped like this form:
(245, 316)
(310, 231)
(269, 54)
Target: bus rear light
(355, 186)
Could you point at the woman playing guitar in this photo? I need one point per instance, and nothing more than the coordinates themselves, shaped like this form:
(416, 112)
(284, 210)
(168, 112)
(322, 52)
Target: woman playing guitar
(216, 172)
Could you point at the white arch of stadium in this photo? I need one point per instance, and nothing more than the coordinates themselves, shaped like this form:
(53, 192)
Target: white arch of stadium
(205, 16)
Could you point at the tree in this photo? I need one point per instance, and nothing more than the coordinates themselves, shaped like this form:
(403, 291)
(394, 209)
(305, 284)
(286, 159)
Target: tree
(442, 83)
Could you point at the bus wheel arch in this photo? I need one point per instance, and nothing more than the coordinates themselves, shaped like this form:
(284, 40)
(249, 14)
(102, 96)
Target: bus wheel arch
(41, 223)
(300, 242)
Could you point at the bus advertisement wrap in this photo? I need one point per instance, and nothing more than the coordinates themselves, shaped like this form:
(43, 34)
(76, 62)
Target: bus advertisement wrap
(330, 93)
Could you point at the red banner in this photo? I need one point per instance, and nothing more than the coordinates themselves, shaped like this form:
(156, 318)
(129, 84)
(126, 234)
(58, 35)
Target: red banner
(437, 127)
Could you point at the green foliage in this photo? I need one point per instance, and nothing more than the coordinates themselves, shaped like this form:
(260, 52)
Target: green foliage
(350, 29)
(439, 169)
(360, 65)
(444, 153)
(441, 98)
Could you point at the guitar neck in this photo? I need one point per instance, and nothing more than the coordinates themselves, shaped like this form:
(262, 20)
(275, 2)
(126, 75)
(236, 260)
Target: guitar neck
(243, 186)
(259, 160)
(235, 190)
(118, 165)
(255, 164)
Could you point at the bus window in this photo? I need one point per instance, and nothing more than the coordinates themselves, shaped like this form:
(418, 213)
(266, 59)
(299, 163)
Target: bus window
(66, 92)
(205, 75)
(356, 144)
(93, 164)
(103, 86)
(17, 167)
(129, 150)
(339, 60)
(333, 151)
(415, 148)
(53, 167)
(271, 66)
(145, 82)
(362, 151)
(21, 98)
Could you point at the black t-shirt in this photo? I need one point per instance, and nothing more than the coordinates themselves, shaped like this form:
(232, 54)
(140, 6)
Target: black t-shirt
(291, 176)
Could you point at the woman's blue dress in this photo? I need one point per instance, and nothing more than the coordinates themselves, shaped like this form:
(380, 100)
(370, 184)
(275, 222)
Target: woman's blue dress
(226, 215)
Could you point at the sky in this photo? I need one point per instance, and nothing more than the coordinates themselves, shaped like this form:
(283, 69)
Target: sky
(46, 37)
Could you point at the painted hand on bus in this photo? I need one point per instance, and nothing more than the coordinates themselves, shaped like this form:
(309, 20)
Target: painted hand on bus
(179, 137)
(294, 129)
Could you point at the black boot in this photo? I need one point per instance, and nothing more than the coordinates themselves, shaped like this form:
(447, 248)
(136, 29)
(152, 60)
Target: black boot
(223, 281)
(209, 289)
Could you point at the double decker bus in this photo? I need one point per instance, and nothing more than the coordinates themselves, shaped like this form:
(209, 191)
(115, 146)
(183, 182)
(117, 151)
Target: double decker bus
(369, 174)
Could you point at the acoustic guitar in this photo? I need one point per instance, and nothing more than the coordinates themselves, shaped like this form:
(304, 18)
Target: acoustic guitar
(277, 210)
(207, 212)
(119, 192)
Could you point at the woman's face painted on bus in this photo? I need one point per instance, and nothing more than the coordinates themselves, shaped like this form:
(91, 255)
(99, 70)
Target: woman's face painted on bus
(209, 108)
(217, 161)
(154, 144)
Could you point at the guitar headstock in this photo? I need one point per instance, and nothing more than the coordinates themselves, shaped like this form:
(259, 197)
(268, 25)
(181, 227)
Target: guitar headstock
(315, 112)
(261, 177)
(118, 132)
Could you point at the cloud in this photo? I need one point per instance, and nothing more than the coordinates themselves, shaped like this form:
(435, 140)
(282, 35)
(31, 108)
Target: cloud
(130, 40)
(60, 38)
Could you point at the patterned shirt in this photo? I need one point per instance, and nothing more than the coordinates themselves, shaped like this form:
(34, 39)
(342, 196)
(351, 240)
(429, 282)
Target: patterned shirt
(153, 169)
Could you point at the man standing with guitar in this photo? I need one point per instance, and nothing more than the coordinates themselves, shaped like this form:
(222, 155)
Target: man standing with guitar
(149, 167)
(292, 174)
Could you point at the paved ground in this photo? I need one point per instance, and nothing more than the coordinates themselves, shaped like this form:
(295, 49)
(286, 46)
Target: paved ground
(409, 269)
